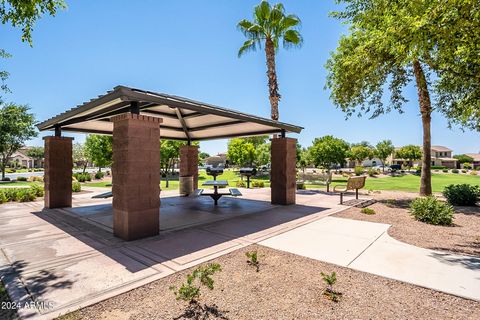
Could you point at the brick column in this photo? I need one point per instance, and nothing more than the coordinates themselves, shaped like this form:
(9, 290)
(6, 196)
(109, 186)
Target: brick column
(189, 163)
(136, 168)
(283, 171)
(58, 172)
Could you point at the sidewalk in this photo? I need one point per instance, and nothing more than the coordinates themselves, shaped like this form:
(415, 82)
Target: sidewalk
(366, 246)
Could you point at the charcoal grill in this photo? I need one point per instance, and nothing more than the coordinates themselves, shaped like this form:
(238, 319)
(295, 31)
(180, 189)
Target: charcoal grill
(214, 172)
(248, 172)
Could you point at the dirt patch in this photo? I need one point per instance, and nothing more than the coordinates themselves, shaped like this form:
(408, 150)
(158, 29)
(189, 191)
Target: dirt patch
(288, 286)
(462, 237)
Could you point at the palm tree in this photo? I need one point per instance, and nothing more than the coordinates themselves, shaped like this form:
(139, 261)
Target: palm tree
(270, 26)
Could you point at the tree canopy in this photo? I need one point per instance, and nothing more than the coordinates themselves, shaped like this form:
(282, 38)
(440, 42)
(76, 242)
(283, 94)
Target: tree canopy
(16, 126)
(409, 152)
(241, 152)
(360, 153)
(99, 150)
(328, 150)
(463, 158)
(383, 150)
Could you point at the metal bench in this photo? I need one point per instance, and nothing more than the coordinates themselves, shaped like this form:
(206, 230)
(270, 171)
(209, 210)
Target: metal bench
(353, 183)
(234, 192)
(197, 193)
(324, 179)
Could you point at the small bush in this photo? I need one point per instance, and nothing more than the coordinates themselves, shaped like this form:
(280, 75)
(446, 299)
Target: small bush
(301, 186)
(358, 170)
(11, 194)
(445, 170)
(464, 171)
(3, 197)
(258, 184)
(368, 211)
(438, 167)
(455, 171)
(99, 175)
(6, 179)
(25, 195)
(38, 190)
(467, 165)
(253, 259)
(21, 178)
(473, 173)
(330, 280)
(372, 172)
(241, 184)
(35, 179)
(461, 194)
(432, 211)
(76, 186)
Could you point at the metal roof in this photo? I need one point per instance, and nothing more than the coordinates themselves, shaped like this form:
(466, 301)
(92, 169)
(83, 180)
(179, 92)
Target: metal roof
(183, 119)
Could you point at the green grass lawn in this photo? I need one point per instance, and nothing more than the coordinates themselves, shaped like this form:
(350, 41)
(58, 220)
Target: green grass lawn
(411, 182)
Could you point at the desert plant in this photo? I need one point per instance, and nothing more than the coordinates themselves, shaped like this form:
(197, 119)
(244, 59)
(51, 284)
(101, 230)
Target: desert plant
(241, 184)
(76, 186)
(253, 259)
(473, 173)
(25, 195)
(461, 194)
(3, 197)
(359, 170)
(190, 290)
(330, 280)
(431, 210)
(368, 211)
(37, 190)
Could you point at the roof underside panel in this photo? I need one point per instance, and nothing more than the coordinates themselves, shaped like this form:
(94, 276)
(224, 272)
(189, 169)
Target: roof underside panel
(183, 119)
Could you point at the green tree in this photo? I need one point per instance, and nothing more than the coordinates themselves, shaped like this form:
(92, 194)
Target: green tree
(241, 152)
(79, 154)
(16, 127)
(358, 153)
(392, 43)
(383, 150)
(24, 14)
(463, 158)
(263, 154)
(37, 153)
(257, 141)
(409, 152)
(328, 150)
(99, 150)
(270, 27)
(304, 159)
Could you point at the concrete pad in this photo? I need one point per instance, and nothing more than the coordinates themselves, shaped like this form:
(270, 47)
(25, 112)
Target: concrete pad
(328, 240)
(450, 273)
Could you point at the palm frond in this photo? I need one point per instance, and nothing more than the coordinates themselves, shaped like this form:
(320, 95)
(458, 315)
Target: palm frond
(292, 38)
(291, 21)
(262, 12)
(249, 45)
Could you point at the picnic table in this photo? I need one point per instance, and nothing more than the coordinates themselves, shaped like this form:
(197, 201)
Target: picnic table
(217, 195)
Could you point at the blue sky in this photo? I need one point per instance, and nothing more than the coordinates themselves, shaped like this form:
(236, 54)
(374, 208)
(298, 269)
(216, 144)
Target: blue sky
(189, 48)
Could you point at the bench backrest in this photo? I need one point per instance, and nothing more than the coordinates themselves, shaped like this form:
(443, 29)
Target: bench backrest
(327, 177)
(356, 182)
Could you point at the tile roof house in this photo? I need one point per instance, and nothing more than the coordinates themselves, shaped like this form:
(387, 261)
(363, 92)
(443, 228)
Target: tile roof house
(476, 159)
(441, 156)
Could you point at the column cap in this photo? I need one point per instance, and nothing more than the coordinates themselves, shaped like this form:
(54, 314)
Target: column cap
(57, 138)
(128, 115)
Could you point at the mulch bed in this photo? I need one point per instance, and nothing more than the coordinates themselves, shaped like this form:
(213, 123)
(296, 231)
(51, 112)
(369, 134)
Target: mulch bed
(463, 237)
(288, 286)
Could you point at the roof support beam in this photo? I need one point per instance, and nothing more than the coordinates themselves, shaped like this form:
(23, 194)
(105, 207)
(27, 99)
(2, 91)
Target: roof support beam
(184, 125)
(217, 125)
(248, 134)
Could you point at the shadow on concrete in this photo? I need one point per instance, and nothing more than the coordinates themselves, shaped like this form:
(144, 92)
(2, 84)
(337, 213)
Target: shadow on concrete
(469, 262)
(238, 218)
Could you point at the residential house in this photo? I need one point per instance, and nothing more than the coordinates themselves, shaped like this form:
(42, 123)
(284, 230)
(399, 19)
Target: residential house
(219, 160)
(476, 159)
(21, 159)
(441, 156)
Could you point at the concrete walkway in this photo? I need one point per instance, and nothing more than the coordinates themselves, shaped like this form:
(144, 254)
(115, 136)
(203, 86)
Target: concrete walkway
(366, 246)
(56, 261)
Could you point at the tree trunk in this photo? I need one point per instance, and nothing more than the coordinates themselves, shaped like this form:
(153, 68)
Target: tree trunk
(426, 111)
(84, 167)
(272, 78)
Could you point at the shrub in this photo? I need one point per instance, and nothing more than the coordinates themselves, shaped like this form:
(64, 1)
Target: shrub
(467, 165)
(438, 167)
(38, 190)
(25, 195)
(76, 186)
(455, 171)
(445, 170)
(3, 197)
(301, 186)
(258, 184)
(190, 290)
(21, 178)
(432, 211)
(368, 211)
(11, 194)
(372, 172)
(330, 280)
(464, 171)
(473, 173)
(6, 179)
(35, 179)
(358, 170)
(99, 175)
(241, 184)
(461, 194)
(253, 259)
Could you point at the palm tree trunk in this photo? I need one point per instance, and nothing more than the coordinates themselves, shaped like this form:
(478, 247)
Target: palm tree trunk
(272, 78)
(426, 111)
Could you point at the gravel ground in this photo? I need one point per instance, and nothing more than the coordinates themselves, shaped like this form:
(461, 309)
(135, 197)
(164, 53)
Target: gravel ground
(287, 287)
(462, 237)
